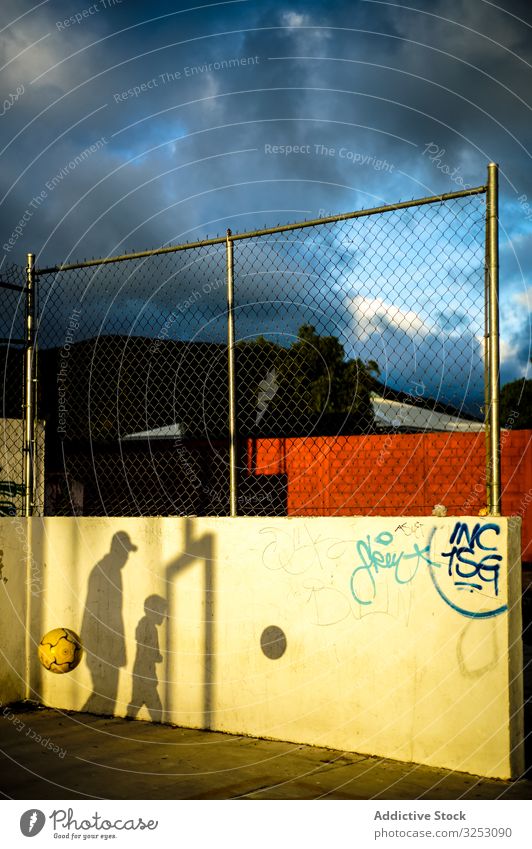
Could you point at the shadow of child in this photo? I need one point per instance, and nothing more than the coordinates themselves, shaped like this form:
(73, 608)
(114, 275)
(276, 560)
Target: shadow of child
(147, 657)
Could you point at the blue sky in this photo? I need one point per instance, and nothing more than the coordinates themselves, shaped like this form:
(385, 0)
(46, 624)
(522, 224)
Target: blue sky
(175, 111)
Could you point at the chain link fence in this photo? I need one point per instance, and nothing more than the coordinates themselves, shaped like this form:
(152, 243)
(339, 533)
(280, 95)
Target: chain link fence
(132, 361)
(360, 327)
(354, 337)
(12, 283)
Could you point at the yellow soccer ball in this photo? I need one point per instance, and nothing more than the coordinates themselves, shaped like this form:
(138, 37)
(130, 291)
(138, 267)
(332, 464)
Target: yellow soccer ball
(60, 650)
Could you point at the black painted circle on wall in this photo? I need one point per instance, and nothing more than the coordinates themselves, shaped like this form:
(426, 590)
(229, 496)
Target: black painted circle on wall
(273, 642)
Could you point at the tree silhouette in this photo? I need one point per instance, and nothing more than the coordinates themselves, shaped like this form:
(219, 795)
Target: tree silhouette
(306, 388)
(516, 397)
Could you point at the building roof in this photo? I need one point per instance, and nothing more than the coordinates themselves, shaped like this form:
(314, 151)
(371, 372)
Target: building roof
(171, 431)
(389, 416)
(398, 415)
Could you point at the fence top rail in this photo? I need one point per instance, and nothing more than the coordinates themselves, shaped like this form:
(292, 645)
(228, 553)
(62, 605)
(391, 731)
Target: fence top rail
(267, 231)
(12, 286)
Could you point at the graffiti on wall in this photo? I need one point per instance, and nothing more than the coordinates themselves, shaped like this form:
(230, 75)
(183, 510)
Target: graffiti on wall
(463, 563)
(295, 550)
(471, 563)
(9, 489)
(375, 557)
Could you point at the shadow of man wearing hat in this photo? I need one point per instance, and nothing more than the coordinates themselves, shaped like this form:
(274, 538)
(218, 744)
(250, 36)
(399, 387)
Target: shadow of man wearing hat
(102, 628)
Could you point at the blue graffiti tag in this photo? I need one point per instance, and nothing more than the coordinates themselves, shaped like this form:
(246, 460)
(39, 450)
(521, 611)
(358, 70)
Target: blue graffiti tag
(461, 530)
(473, 564)
(9, 489)
(375, 559)
(470, 570)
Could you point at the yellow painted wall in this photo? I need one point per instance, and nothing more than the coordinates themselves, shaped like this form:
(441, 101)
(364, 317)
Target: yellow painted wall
(15, 564)
(402, 635)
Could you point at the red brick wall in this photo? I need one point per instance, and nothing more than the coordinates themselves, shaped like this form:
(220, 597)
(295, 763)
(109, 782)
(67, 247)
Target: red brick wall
(516, 473)
(397, 474)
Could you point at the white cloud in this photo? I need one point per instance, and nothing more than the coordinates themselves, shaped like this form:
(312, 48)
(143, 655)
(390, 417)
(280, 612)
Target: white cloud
(374, 315)
(33, 45)
(524, 298)
(294, 19)
(411, 350)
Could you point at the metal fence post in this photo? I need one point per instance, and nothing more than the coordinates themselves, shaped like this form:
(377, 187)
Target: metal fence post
(492, 211)
(233, 502)
(29, 389)
(486, 353)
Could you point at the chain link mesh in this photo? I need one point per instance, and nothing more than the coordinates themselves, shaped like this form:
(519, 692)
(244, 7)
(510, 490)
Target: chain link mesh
(354, 328)
(345, 331)
(132, 375)
(12, 371)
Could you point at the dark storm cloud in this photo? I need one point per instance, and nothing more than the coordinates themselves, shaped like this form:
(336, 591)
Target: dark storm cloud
(248, 114)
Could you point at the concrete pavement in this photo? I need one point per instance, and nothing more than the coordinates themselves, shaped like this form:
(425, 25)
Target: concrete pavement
(48, 754)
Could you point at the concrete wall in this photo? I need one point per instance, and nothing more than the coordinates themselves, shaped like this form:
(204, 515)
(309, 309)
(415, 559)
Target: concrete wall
(387, 636)
(14, 553)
